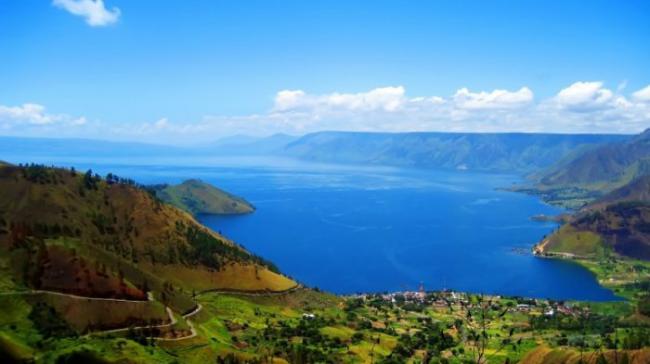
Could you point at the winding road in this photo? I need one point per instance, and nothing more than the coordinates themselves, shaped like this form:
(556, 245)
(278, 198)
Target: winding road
(150, 298)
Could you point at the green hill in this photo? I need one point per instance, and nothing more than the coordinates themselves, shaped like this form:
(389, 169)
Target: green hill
(591, 174)
(198, 197)
(619, 221)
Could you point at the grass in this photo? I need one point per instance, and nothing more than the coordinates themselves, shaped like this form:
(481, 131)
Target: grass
(581, 243)
(236, 276)
(91, 315)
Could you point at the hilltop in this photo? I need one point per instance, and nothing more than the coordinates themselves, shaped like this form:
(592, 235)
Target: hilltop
(198, 197)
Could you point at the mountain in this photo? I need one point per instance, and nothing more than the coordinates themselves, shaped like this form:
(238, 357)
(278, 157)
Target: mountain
(82, 234)
(497, 152)
(619, 221)
(198, 197)
(593, 173)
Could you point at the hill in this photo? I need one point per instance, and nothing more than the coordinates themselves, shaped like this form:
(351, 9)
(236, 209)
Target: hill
(498, 152)
(620, 221)
(638, 190)
(198, 197)
(82, 234)
(593, 173)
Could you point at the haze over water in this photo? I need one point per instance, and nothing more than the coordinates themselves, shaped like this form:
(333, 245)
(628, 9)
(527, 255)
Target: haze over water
(349, 229)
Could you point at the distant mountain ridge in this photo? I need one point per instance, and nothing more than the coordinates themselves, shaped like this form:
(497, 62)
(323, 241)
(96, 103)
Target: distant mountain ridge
(614, 164)
(584, 177)
(497, 152)
(517, 153)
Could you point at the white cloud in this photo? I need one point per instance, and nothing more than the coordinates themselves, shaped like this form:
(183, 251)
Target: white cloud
(27, 113)
(583, 107)
(642, 94)
(584, 96)
(497, 99)
(34, 115)
(93, 11)
(288, 99)
(384, 98)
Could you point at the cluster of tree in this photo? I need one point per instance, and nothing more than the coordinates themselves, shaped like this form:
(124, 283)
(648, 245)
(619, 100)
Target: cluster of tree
(431, 338)
(207, 249)
(593, 322)
(40, 173)
(48, 322)
(45, 230)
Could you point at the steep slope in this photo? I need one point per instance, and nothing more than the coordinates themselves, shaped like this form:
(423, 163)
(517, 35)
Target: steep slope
(620, 221)
(76, 233)
(504, 152)
(638, 190)
(614, 164)
(198, 197)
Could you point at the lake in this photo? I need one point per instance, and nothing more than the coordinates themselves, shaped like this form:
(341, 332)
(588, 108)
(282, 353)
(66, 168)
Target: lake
(348, 229)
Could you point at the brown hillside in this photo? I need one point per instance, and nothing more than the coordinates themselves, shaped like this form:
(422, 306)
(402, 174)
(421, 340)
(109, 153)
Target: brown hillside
(112, 228)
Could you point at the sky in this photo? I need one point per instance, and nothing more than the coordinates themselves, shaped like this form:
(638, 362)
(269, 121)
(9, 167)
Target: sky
(179, 71)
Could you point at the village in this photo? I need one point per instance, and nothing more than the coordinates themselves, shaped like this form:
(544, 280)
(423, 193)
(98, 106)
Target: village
(448, 298)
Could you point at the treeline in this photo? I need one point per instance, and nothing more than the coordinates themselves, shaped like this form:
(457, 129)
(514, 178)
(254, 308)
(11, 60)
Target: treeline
(207, 247)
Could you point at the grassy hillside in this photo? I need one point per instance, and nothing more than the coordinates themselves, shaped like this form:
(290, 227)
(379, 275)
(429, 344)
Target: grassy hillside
(593, 173)
(504, 152)
(111, 234)
(198, 197)
(637, 190)
(618, 221)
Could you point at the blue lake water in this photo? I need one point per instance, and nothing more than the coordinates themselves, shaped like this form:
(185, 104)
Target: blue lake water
(350, 229)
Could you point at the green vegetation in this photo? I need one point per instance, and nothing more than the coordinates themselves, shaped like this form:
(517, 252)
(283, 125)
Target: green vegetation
(100, 270)
(198, 197)
(593, 173)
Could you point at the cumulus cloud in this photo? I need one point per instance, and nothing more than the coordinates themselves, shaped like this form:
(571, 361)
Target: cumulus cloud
(384, 98)
(30, 114)
(642, 94)
(93, 11)
(584, 96)
(582, 107)
(497, 99)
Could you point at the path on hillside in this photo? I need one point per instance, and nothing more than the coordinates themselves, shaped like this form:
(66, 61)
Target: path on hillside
(150, 298)
(261, 293)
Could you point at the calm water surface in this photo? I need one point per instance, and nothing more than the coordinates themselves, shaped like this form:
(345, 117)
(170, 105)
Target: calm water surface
(350, 229)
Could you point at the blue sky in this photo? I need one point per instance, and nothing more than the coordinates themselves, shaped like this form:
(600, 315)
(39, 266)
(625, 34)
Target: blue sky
(153, 69)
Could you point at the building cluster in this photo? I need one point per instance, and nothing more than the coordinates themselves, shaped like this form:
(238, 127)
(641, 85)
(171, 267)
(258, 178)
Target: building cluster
(446, 298)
